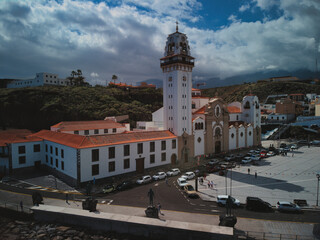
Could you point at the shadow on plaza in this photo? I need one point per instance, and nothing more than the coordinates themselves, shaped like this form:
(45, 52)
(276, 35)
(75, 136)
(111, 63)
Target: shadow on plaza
(265, 181)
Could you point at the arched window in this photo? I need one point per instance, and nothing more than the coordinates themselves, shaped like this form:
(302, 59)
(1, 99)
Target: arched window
(241, 134)
(232, 135)
(237, 117)
(217, 132)
(249, 133)
(184, 78)
(201, 125)
(247, 105)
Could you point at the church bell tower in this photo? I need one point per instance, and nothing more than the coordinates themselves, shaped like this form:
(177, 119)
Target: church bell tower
(177, 65)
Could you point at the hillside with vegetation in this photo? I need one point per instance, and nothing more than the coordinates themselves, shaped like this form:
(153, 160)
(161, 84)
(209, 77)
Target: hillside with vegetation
(40, 107)
(262, 90)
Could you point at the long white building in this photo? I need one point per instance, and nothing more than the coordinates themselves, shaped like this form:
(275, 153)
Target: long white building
(41, 79)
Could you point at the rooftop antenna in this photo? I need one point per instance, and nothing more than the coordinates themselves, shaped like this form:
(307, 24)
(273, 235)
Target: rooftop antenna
(177, 28)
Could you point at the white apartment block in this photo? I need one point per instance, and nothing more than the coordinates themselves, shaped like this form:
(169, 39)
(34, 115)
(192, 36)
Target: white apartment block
(41, 79)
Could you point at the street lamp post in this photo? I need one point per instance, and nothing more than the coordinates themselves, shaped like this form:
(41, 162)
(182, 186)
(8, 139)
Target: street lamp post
(318, 177)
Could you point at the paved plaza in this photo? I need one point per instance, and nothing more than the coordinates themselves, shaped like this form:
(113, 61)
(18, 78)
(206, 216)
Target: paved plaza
(279, 178)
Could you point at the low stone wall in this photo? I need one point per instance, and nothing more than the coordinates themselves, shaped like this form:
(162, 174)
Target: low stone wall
(135, 225)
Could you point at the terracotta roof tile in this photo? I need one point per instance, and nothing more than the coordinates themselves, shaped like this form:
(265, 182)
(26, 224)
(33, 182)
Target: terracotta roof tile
(15, 136)
(233, 109)
(77, 141)
(87, 125)
(200, 110)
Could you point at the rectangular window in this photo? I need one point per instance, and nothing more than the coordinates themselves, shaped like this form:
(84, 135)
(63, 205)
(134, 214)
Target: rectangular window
(140, 148)
(46, 147)
(126, 163)
(22, 149)
(36, 148)
(57, 163)
(51, 160)
(114, 130)
(163, 157)
(112, 166)
(62, 153)
(95, 155)
(46, 158)
(152, 158)
(152, 146)
(126, 150)
(112, 152)
(95, 169)
(76, 132)
(22, 159)
(62, 165)
(51, 149)
(96, 131)
(174, 144)
(86, 132)
(57, 151)
(163, 145)
(105, 130)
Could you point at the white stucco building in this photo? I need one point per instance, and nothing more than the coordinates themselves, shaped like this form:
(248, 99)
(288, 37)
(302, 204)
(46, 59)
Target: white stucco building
(41, 79)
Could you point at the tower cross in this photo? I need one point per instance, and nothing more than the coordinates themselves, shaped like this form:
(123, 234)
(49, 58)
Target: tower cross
(177, 26)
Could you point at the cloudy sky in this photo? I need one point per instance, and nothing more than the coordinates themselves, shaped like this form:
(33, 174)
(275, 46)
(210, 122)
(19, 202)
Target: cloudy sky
(127, 37)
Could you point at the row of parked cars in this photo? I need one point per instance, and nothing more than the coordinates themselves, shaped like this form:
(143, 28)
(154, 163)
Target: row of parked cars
(257, 204)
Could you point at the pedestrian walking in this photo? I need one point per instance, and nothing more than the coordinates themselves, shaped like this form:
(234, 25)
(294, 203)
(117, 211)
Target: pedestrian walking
(248, 170)
(159, 209)
(255, 175)
(67, 198)
(167, 180)
(209, 184)
(292, 154)
(21, 205)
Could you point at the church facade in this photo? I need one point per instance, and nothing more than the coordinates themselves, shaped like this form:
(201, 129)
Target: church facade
(214, 126)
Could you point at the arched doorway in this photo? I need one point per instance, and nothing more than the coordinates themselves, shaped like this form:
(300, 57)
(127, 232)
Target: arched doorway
(173, 159)
(217, 147)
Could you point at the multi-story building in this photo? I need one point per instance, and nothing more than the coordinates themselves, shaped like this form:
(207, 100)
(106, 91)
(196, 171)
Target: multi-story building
(41, 79)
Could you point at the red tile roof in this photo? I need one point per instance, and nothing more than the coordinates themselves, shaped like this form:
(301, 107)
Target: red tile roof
(77, 141)
(195, 89)
(200, 110)
(87, 125)
(200, 97)
(15, 136)
(233, 109)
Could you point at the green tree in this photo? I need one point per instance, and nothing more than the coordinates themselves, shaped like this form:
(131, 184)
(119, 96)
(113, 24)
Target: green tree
(77, 79)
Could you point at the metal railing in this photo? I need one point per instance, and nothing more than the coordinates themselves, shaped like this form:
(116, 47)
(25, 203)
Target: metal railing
(271, 236)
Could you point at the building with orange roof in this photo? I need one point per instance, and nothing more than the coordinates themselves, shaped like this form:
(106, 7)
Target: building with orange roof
(77, 159)
(97, 127)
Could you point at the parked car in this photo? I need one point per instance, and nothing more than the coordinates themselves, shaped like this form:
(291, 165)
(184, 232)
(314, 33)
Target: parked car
(255, 158)
(182, 182)
(246, 160)
(222, 200)
(252, 151)
(144, 179)
(294, 147)
(270, 154)
(288, 207)
(124, 185)
(108, 188)
(189, 190)
(159, 176)
(257, 204)
(173, 172)
(229, 157)
(283, 145)
(188, 175)
(315, 142)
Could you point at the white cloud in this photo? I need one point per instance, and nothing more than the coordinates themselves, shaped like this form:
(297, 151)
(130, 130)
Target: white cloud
(94, 75)
(123, 40)
(244, 7)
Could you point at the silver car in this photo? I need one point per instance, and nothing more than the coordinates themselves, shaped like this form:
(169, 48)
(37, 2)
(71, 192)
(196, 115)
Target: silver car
(288, 207)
